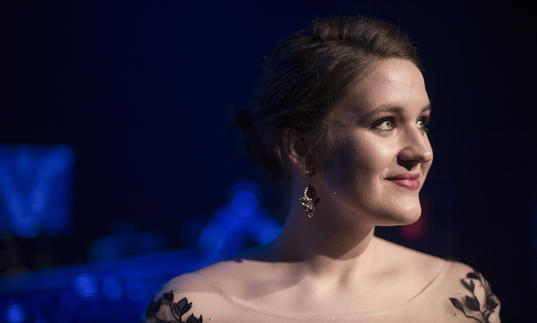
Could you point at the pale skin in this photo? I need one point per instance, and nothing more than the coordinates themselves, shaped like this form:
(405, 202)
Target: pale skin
(334, 258)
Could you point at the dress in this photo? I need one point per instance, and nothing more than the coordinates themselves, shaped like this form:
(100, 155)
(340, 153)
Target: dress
(453, 295)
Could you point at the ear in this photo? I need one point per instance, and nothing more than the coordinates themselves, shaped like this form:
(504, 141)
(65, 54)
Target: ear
(298, 149)
(295, 148)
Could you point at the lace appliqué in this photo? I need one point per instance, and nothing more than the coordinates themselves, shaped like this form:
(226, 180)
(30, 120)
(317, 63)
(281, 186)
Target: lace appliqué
(470, 305)
(166, 311)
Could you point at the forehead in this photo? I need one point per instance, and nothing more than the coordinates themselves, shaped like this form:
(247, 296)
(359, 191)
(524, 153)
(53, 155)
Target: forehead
(392, 82)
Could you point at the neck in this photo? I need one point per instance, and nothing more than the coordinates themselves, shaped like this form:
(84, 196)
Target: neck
(328, 247)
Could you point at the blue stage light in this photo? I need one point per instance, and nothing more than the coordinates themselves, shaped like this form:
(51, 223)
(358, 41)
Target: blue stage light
(266, 230)
(14, 313)
(244, 203)
(69, 299)
(136, 291)
(212, 238)
(237, 224)
(112, 288)
(107, 248)
(85, 285)
(243, 185)
(35, 189)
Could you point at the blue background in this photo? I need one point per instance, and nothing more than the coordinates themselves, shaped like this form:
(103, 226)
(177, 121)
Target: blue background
(142, 93)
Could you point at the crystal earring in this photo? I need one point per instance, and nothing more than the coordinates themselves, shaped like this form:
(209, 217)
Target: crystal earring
(309, 200)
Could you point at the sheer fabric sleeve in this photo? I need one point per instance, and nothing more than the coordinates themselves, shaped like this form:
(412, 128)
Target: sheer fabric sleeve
(176, 302)
(166, 309)
(474, 299)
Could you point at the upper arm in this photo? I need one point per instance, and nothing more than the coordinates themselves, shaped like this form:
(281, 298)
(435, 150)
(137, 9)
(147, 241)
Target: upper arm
(473, 297)
(174, 302)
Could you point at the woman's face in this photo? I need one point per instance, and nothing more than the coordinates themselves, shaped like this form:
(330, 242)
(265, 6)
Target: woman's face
(380, 134)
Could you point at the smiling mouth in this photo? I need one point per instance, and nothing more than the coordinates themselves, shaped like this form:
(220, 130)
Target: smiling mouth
(411, 184)
(408, 181)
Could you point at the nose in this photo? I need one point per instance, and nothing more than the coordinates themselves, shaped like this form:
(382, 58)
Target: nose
(416, 148)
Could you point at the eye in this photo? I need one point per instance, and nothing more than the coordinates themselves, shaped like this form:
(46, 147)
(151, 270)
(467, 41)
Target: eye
(423, 122)
(384, 125)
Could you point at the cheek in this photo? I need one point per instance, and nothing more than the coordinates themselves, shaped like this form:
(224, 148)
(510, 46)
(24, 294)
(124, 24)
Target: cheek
(355, 163)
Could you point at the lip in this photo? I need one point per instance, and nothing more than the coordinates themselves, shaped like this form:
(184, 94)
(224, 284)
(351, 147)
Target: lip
(409, 181)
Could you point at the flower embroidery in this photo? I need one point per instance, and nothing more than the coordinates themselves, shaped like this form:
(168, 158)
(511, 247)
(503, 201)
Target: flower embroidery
(174, 311)
(470, 306)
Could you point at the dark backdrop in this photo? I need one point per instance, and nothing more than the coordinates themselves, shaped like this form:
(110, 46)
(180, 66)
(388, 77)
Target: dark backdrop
(143, 94)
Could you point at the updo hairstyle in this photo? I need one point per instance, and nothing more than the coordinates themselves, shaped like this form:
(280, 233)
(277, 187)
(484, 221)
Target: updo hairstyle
(307, 75)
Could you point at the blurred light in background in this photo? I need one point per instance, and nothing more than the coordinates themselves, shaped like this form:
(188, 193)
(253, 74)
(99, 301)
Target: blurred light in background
(124, 241)
(14, 313)
(113, 283)
(68, 299)
(85, 285)
(35, 189)
(238, 224)
(136, 291)
(112, 288)
(267, 229)
(244, 203)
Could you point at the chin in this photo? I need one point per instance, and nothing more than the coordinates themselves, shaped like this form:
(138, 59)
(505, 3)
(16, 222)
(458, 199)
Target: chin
(395, 217)
(409, 219)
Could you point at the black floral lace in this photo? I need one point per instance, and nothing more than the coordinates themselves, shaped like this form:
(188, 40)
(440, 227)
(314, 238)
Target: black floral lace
(470, 305)
(176, 310)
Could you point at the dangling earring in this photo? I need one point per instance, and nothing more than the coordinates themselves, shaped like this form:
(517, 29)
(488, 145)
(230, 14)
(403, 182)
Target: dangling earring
(310, 199)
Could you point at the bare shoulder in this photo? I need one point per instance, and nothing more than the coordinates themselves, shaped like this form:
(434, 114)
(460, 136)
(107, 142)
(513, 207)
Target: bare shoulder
(240, 274)
(187, 282)
(412, 261)
(204, 292)
(457, 287)
(209, 278)
(458, 270)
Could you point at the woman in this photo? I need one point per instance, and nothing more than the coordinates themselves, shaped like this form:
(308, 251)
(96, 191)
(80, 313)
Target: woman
(341, 118)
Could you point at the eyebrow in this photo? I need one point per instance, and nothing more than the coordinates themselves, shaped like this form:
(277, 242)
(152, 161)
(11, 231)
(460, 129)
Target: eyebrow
(390, 108)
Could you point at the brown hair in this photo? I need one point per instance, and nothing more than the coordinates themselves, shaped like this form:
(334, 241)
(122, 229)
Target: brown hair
(308, 74)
